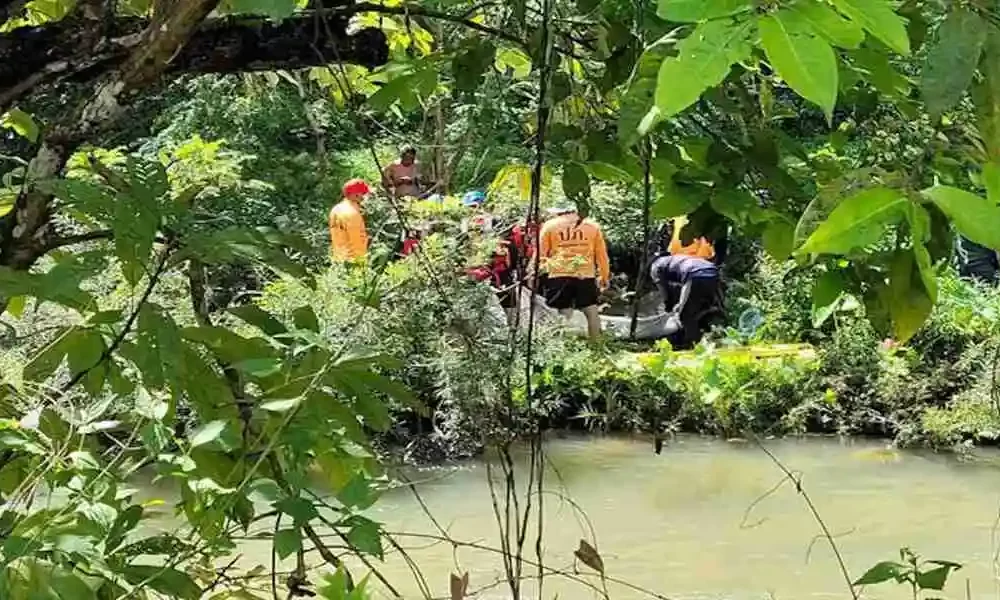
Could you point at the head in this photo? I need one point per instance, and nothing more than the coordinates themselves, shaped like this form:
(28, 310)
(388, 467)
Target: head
(473, 199)
(407, 155)
(355, 190)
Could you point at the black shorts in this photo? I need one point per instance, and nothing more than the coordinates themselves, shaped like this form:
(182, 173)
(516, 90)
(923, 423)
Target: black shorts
(570, 292)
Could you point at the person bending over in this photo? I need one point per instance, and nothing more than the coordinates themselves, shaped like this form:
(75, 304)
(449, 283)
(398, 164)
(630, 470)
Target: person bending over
(690, 289)
(574, 256)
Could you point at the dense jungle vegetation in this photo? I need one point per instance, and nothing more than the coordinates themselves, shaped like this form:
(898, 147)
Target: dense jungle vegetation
(169, 307)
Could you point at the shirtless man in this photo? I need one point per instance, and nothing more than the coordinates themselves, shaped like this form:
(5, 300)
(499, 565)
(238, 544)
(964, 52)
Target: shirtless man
(401, 178)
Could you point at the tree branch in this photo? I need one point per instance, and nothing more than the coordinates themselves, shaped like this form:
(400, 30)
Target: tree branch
(69, 240)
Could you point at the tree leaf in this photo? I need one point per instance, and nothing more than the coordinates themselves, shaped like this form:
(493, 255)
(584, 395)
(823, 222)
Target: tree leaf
(692, 11)
(858, 221)
(804, 60)
(575, 182)
(703, 61)
(934, 579)
(207, 433)
(975, 217)
(135, 223)
(358, 493)
(952, 60)
(287, 542)
(281, 406)
(910, 304)
(365, 536)
(675, 200)
(878, 18)
(588, 555)
(883, 571)
(826, 295)
(779, 239)
(920, 233)
(301, 510)
(21, 122)
(304, 317)
(825, 21)
(514, 59)
(167, 581)
(259, 318)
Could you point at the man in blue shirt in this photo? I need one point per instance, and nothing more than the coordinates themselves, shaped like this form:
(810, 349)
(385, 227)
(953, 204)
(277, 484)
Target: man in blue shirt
(690, 289)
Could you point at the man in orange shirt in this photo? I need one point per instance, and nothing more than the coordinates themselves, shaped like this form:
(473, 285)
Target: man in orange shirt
(348, 236)
(575, 257)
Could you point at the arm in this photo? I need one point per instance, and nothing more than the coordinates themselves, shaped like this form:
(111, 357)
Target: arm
(603, 262)
(387, 182)
(685, 293)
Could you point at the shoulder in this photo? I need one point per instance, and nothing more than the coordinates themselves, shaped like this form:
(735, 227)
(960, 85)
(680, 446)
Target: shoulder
(592, 224)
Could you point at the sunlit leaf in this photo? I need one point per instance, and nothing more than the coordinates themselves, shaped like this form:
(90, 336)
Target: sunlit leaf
(879, 19)
(207, 433)
(21, 122)
(692, 11)
(858, 221)
(703, 61)
(825, 21)
(281, 406)
(513, 59)
(804, 60)
(974, 216)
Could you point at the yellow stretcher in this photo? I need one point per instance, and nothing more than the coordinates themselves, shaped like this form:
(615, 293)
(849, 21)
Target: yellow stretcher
(757, 352)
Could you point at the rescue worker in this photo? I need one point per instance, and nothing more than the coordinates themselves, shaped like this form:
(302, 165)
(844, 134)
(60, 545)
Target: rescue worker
(686, 245)
(505, 265)
(348, 236)
(691, 290)
(401, 178)
(574, 257)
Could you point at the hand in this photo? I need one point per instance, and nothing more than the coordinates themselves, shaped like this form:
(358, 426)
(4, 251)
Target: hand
(603, 285)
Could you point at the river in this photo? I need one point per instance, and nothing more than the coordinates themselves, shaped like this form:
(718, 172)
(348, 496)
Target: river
(695, 522)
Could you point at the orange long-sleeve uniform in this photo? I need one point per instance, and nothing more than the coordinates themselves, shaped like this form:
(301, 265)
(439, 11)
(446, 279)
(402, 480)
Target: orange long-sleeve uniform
(699, 247)
(570, 247)
(348, 235)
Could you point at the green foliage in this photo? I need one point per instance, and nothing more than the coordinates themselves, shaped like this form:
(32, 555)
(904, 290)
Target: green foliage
(952, 60)
(801, 57)
(703, 60)
(919, 574)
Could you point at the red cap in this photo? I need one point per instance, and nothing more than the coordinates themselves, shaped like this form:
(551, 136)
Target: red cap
(356, 187)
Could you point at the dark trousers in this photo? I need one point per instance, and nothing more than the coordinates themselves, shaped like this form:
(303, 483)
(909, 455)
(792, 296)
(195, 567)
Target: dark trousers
(703, 306)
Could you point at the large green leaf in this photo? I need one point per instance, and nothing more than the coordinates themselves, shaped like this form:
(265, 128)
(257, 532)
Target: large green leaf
(879, 72)
(828, 23)
(803, 59)
(920, 233)
(878, 18)
(883, 571)
(826, 295)
(516, 61)
(638, 99)
(258, 317)
(692, 11)
(779, 239)
(952, 60)
(974, 216)
(910, 304)
(858, 221)
(703, 61)
(675, 200)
